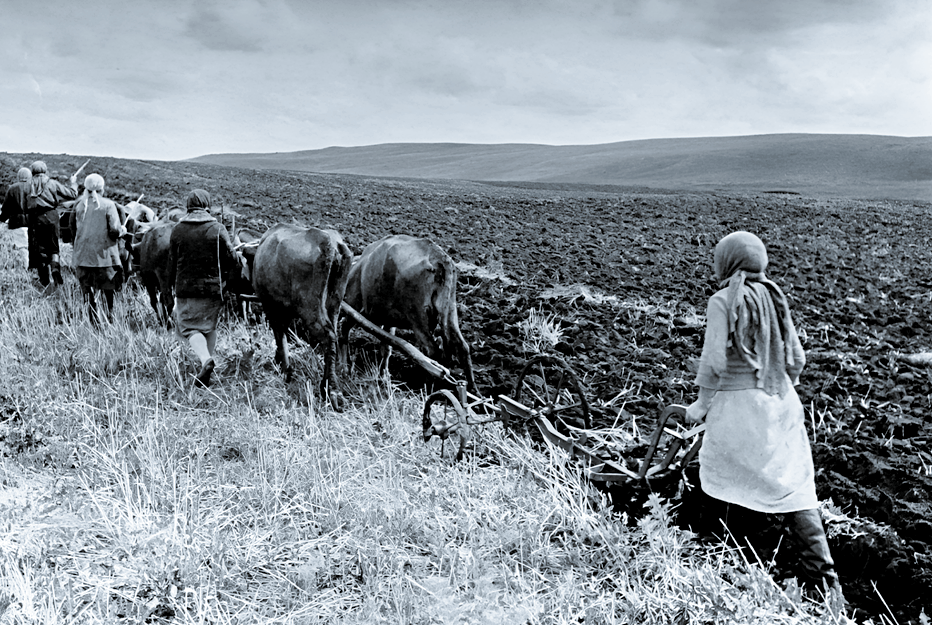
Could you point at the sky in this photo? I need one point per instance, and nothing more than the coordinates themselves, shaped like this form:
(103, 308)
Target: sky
(170, 80)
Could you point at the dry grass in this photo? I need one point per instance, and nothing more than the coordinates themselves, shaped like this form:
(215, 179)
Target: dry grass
(128, 496)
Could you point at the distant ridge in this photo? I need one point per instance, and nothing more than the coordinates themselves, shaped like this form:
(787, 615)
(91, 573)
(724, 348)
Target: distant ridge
(862, 166)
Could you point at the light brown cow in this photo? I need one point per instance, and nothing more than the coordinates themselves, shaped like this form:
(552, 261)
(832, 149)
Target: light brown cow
(409, 283)
(299, 275)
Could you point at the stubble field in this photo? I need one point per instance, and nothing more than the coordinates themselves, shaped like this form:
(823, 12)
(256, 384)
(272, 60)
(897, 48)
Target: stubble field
(626, 273)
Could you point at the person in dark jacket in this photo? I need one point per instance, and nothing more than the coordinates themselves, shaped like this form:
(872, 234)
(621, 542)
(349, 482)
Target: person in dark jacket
(45, 196)
(200, 260)
(98, 227)
(14, 212)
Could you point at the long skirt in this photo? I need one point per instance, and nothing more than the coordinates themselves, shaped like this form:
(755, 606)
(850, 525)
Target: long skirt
(196, 314)
(756, 452)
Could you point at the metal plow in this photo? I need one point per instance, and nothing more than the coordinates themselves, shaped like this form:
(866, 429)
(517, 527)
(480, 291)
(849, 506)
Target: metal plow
(559, 410)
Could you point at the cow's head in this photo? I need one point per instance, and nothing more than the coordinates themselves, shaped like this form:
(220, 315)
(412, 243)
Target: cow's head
(239, 279)
(246, 243)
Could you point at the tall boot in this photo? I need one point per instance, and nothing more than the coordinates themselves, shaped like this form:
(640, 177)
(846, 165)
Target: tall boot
(815, 559)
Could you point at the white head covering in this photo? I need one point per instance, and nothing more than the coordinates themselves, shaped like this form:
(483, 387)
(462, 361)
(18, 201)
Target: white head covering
(24, 174)
(760, 327)
(93, 186)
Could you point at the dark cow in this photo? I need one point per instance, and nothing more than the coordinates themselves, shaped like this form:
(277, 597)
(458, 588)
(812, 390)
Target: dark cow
(153, 268)
(408, 283)
(299, 275)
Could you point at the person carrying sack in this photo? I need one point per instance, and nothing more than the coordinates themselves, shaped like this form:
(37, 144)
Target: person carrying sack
(755, 458)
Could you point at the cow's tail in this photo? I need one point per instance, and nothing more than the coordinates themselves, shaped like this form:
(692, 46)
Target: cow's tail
(340, 261)
(445, 276)
(445, 304)
(445, 289)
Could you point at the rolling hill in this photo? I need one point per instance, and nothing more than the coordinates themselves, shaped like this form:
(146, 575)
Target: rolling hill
(859, 166)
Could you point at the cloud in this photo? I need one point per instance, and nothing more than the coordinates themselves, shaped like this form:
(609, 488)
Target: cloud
(181, 79)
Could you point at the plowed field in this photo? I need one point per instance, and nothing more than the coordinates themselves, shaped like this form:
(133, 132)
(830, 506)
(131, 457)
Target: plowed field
(627, 272)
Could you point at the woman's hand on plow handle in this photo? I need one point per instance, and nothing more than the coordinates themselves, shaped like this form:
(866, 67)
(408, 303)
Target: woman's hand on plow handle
(697, 410)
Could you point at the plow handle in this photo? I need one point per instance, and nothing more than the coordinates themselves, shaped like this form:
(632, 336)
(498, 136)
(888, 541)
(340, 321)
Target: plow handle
(668, 412)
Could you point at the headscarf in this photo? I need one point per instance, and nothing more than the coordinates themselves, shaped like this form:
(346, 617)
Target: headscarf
(93, 186)
(40, 178)
(24, 174)
(198, 199)
(760, 328)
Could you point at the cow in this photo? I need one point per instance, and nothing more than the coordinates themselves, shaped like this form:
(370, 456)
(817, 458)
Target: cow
(142, 219)
(175, 214)
(409, 283)
(153, 268)
(299, 276)
(246, 242)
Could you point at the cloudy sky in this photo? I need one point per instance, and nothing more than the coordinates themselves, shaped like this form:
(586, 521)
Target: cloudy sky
(168, 79)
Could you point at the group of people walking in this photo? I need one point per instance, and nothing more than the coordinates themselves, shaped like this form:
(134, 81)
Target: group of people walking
(32, 202)
(32, 206)
(755, 459)
(201, 254)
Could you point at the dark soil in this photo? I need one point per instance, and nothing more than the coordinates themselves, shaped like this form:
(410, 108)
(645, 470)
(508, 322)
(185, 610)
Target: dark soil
(856, 274)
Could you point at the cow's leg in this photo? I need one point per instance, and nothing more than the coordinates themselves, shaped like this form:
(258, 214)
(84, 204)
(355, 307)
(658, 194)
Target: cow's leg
(154, 300)
(329, 381)
(346, 324)
(168, 305)
(281, 350)
(152, 289)
(460, 345)
(386, 351)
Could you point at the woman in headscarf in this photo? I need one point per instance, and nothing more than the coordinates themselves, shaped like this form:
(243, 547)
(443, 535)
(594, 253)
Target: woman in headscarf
(45, 196)
(755, 458)
(14, 212)
(97, 227)
(201, 259)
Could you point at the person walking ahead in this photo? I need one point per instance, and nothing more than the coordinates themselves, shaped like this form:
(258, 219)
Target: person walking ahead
(755, 458)
(96, 224)
(45, 196)
(201, 257)
(14, 212)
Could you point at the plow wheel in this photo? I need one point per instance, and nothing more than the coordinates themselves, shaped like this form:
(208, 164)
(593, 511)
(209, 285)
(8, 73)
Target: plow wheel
(445, 418)
(549, 385)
